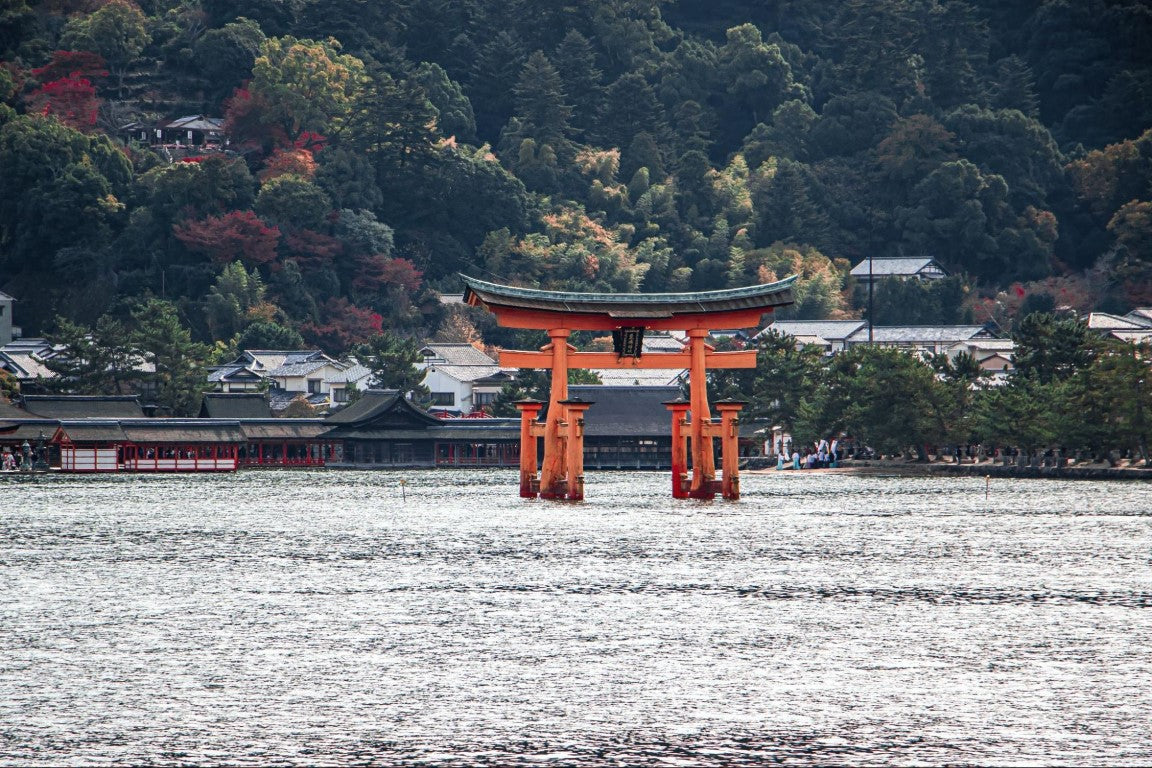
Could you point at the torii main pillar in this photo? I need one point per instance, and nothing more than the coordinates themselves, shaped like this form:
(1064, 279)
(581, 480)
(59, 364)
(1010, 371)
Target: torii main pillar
(627, 316)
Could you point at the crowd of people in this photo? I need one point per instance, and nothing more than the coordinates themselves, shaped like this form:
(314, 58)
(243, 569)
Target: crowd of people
(822, 454)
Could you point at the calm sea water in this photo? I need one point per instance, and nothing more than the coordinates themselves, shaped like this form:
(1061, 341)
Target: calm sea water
(342, 618)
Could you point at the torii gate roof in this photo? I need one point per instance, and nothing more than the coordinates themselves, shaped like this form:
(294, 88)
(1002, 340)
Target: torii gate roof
(534, 308)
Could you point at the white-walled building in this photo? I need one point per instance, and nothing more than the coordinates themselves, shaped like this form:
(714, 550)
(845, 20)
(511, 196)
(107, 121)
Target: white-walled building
(461, 378)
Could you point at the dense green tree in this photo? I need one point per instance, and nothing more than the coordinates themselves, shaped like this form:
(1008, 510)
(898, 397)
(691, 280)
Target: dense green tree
(348, 178)
(90, 361)
(631, 108)
(912, 302)
(1050, 349)
(230, 300)
(757, 79)
(784, 376)
(496, 66)
(541, 103)
(392, 360)
(887, 399)
(63, 189)
(454, 112)
(226, 55)
(118, 31)
(308, 85)
(264, 334)
(1022, 415)
(1015, 87)
(1007, 143)
(582, 80)
(293, 202)
(179, 373)
(393, 125)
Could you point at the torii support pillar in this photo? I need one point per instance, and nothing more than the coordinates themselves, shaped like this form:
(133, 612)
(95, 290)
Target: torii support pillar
(680, 485)
(553, 474)
(575, 444)
(529, 431)
(703, 458)
(730, 447)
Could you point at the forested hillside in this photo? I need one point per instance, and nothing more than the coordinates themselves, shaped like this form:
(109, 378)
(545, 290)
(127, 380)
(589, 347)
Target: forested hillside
(377, 149)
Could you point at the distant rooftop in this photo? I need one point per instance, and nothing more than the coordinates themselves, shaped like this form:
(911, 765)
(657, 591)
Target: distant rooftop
(917, 334)
(899, 266)
(440, 355)
(827, 329)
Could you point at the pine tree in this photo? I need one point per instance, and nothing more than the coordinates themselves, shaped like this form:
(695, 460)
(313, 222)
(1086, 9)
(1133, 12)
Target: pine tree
(575, 60)
(1015, 87)
(540, 102)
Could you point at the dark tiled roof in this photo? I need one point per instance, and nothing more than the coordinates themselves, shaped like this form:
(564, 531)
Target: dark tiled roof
(283, 429)
(95, 432)
(380, 409)
(509, 429)
(235, 405)
(84, 406)
(623, 411)
(631, 305)
(10, 411)
(12, 434)
(372, 403)
(182, 431)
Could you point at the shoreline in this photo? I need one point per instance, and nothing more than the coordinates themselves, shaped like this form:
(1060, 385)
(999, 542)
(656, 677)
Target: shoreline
(924, 469)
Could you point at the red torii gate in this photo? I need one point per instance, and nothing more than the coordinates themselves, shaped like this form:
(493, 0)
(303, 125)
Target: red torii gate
(627, 316)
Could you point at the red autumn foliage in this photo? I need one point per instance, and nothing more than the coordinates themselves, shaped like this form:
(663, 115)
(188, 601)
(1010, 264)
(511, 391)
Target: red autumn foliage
(376, 272)
(246, 120)
(71, 100)
(342, 325)
(310, 141)
(312, 250)
(403, 273)
(237, 235)
(76, 64)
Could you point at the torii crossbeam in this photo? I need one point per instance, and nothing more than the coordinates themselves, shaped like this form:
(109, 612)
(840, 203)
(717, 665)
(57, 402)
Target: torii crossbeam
(627, 316)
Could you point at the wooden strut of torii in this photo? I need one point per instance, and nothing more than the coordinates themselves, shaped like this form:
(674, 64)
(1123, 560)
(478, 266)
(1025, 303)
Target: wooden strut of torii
(627, 316)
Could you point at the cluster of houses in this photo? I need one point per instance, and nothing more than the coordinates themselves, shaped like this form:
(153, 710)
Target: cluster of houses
(248, 419)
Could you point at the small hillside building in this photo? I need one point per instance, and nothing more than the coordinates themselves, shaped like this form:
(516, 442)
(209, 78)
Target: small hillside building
(899, 267)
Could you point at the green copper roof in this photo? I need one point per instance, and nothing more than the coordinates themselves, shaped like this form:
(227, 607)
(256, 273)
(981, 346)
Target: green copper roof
(637, 305)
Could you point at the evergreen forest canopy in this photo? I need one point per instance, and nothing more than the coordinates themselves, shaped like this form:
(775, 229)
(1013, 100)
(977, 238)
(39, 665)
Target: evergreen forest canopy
(379, 148)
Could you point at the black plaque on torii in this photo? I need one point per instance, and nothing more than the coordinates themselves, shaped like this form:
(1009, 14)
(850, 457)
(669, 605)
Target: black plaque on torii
(628, 341)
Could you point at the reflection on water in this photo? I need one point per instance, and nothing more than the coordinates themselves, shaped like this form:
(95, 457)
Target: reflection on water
(303, 617)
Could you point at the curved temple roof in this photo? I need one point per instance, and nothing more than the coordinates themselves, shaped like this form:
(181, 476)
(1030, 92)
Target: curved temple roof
(629, 306)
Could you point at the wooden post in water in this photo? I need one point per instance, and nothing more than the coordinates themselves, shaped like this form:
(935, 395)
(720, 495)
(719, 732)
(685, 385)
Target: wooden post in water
(552, 473)
(679, 410)
(575, 460)
(529, 482)
(730, 447)
(703, 458)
